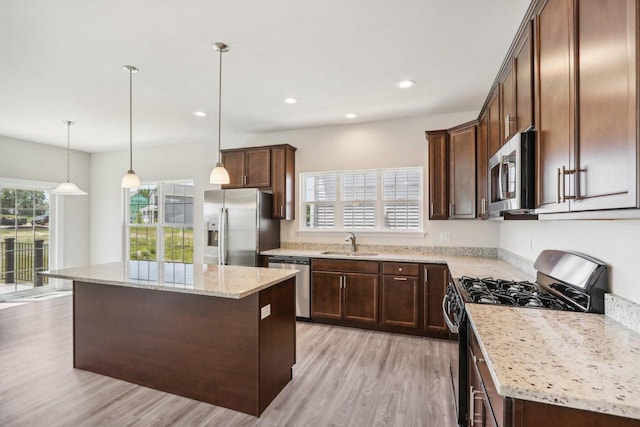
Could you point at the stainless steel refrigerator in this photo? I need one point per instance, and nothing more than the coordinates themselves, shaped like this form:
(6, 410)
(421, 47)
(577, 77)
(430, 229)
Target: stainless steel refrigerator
(238, 226)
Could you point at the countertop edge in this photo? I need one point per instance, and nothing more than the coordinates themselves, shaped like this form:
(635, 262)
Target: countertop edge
(231, 295)
(592, 405)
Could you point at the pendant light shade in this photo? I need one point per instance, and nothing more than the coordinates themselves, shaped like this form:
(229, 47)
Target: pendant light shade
(219, 174)
(130, 180)
(68, 188)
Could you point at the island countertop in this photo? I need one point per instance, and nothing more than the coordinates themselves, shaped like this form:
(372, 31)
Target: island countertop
(579, 360)
(226, 281)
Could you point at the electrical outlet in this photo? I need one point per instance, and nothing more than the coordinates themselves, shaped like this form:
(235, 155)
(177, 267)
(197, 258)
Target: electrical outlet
(445, 236)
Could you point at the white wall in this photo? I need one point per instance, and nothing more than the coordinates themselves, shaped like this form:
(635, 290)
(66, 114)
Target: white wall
(384, 144)
(616, 242)
(29, 161)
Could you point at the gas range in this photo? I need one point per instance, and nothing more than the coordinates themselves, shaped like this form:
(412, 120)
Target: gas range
(514, 293)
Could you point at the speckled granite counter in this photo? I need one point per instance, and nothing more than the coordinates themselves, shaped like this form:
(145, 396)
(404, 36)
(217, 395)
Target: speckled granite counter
(579, 360)
(225, 281)
(458, 265)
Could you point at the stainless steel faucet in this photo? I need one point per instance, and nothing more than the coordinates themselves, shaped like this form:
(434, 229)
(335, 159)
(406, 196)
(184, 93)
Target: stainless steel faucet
(351, 237)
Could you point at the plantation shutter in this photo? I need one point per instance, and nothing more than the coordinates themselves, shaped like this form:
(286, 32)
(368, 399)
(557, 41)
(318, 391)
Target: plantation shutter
(402, 196)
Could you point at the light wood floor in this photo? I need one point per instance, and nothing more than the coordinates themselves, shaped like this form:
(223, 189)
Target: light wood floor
(344, 377)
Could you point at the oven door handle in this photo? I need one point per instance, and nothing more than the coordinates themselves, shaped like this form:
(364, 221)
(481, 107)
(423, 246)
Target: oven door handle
(453, 328)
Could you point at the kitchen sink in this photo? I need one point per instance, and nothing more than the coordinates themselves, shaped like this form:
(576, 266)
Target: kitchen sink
(347, 253)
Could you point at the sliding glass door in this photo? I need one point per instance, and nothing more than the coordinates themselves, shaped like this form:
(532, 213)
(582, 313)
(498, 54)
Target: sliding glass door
(24, 239)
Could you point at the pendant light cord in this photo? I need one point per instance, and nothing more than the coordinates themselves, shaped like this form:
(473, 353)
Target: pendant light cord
(219, 106)
(68, 145)
(130, 119)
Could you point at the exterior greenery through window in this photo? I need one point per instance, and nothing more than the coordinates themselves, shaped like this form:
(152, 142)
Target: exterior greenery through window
(24, 238)
(370, 200)
(160, 222)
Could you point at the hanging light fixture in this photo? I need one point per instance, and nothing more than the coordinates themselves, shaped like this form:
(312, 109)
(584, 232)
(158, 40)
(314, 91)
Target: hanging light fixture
(130, 180)
(68, 188)
(219, 174)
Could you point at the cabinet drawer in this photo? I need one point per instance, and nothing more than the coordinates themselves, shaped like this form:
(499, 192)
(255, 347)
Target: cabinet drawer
(345, 266)
(400, 269)
(497, 403)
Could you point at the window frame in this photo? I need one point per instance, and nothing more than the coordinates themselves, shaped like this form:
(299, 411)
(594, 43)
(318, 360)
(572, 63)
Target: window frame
(158, 225)
(379, 203)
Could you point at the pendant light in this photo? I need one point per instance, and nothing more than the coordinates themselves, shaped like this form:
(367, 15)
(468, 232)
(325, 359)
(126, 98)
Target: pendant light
(130, 180)
(219, 174)
(68, 188)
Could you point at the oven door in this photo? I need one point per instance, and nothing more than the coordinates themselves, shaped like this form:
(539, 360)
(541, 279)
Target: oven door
(455, 318)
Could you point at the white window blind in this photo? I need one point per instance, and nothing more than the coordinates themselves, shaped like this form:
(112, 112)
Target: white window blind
(359, 191)
(402, 197)
(371, 200)
(319, 197)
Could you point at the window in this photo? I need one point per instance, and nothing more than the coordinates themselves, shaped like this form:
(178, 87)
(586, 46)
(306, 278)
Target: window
(368, 200)
(160, 222)
(319, 198)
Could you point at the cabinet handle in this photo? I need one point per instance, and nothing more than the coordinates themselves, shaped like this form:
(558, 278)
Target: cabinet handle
(558, 177)
(483, 208)
(507, 126)
(403, 279)
(431, 208)
(281, 210)
(477, 360)
(473, 396)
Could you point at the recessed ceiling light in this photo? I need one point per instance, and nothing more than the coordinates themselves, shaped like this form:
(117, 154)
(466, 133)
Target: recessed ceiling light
(290, 100)
(404, 84)
(351, 115)
(200, 114)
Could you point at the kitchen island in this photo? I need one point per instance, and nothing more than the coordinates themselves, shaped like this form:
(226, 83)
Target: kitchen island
(219, 334)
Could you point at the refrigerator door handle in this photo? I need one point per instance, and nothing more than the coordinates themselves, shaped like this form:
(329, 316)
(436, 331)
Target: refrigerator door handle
(222, 235)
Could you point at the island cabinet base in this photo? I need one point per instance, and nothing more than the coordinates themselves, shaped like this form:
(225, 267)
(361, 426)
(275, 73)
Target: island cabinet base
(216, 350)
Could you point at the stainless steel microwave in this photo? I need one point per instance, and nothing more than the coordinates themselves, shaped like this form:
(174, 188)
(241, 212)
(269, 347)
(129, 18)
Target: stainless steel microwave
(512, 177)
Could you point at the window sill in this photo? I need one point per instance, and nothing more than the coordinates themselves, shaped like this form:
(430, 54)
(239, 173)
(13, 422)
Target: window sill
(372, 233)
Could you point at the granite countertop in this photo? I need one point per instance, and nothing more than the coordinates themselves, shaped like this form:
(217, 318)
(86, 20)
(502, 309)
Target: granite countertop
(458, 265)
(227, 281)
(580, 360)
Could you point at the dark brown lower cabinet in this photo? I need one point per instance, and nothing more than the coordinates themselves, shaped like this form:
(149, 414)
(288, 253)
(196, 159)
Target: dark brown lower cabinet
(406, 298)
(347, 291)
(436, 280)
(400, 301)
(488, 408)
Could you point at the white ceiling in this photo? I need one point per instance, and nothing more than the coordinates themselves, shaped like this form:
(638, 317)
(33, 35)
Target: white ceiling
(63, 60)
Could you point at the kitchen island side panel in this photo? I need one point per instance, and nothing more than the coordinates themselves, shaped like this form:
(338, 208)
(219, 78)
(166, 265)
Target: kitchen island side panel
(277, 340)
(201, 347)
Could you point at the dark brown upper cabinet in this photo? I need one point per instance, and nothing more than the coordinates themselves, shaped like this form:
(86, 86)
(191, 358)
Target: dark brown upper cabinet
(248, 167)
(269, 167)
(493, 120)
(462, 171)
(482, 166)
(586, 105)
(438, 174)
(523, 66)
(507, 104)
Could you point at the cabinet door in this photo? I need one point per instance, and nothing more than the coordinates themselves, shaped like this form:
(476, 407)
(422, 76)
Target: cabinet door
(493, 107)
(400, 301)
(438, 175)
(523, 65)
(258, 167)
(482, 167)
(278, 159)
(508, 102)
(554, 102)
(462, 172)
(607, 105)
(233, 162)
(283, 182)
(326, 295)
(435, 288)
(361, 298)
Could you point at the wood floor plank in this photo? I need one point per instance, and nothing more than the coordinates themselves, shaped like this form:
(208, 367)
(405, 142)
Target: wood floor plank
(343, 377)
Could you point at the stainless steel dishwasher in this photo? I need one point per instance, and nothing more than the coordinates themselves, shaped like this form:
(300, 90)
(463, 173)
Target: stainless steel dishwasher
(303, 281)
